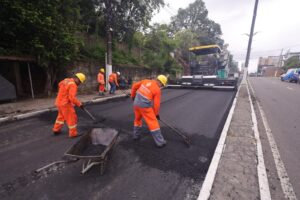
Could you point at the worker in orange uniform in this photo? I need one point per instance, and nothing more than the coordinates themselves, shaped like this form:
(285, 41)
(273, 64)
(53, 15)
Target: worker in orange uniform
(65, 101)
(113, 82)
(146, 95)
(101, 81)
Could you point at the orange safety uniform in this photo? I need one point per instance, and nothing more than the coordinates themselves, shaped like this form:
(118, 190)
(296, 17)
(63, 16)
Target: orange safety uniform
(65, 101)
(113, 78)
(101, 81)
(146, 94)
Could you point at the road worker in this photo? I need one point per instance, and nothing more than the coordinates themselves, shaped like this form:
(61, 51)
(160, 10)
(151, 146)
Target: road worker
(146, 95)
(65, 101)
(113, 82)
(101, 81)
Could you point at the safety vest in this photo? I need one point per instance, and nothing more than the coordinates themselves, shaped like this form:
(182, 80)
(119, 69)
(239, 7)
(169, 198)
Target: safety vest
(113, 78)
(101, 78)
(147, 93)
(67, 91)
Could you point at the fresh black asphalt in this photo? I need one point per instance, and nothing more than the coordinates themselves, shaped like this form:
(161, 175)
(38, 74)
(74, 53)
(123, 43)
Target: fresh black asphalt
(136, 170)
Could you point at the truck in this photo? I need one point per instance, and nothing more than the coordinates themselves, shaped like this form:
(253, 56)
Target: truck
(208, 68)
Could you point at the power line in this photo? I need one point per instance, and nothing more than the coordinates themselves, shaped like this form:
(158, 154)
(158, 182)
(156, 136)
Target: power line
(270, 50)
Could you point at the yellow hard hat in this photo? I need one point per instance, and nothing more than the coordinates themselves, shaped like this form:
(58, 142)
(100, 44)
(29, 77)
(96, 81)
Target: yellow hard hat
(102, 70)
(163, 79)
(81, 77)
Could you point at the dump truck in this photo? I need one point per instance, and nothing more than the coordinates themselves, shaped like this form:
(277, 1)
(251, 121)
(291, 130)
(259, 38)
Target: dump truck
(208, 68)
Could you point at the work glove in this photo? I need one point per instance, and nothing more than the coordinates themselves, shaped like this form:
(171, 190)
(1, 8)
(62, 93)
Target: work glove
(157, 117)
(132, 98)
(81, 106)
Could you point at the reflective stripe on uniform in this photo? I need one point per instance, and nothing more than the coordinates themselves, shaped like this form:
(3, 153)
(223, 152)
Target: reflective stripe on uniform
(155, 130)
(70, 83)
(145, 88)
(59, 122)
(71, 127)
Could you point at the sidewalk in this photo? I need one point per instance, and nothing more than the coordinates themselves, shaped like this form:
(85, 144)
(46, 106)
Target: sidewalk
(30, 105)
(238, 174)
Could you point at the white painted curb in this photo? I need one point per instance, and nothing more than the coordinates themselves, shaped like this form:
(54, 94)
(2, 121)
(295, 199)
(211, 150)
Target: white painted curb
(38, 112)
(264, 188)
(212, 170)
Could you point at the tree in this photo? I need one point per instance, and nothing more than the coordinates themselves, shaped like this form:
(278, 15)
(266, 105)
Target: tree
(158, 46)
(194, 18)
(125, 17)
(45, 29)
(292, 62)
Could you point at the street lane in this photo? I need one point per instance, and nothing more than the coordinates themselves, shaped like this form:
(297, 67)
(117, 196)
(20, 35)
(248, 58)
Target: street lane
(280, 102)
(136, 170)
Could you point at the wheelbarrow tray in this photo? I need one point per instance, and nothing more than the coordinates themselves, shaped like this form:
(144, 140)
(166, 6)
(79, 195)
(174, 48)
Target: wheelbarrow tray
(94, 147)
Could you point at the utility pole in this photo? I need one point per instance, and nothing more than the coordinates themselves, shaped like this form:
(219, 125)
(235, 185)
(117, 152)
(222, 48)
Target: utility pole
(250, 38)
(109, 29)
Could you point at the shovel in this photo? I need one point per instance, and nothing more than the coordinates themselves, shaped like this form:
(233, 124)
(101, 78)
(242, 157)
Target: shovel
(179, 133)
(92, 117)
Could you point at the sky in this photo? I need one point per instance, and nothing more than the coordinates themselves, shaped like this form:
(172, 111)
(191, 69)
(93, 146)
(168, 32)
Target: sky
(277, 25)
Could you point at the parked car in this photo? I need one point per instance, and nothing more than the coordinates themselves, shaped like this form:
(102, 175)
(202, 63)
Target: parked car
(292, 75)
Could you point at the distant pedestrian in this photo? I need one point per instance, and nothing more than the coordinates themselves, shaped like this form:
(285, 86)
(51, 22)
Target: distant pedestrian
(146, 95)
(65, 101)
(123, 82)
(113, 82)
(101, 81)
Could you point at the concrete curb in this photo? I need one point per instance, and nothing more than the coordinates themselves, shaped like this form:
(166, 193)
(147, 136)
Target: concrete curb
(38, 112)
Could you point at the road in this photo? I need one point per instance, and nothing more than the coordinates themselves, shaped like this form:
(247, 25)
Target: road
(137, 170)
(280, 102)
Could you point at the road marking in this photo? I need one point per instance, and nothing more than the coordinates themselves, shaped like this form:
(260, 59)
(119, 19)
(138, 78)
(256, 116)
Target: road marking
(289, 88)
(212, 170)
(263, 182)
(286, 185)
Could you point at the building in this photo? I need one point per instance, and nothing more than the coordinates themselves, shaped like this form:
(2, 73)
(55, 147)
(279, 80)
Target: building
(269, 62)
(272, 71)
(291, 54)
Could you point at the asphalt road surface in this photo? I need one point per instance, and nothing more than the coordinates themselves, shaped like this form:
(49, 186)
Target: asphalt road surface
(136, 170)
(280, 102)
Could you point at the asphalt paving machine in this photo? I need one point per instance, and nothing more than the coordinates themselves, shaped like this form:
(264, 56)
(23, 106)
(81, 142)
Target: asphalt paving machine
(208, 68)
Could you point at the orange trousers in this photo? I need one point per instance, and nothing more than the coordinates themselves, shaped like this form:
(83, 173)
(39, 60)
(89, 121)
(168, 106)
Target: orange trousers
(101, 88)
(148, 115)
(66, 113)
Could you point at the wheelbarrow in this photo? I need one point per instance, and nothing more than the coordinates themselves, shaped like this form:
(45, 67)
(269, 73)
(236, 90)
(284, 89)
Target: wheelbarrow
(94, 148)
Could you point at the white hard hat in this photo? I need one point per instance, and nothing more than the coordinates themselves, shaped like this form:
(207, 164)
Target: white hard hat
(118, 73)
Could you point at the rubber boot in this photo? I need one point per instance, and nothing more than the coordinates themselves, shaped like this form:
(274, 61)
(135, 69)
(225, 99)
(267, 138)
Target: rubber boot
(137, 132)
(158, 138)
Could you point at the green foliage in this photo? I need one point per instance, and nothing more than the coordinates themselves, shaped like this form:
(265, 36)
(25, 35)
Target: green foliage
(55, 31)
(94, 52)
(194, 18)
(126, 17)
(157, 48)
(292, 62)
(121, 57)
(44, 29)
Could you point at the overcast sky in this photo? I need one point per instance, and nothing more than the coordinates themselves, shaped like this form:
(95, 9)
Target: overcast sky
(277, 25)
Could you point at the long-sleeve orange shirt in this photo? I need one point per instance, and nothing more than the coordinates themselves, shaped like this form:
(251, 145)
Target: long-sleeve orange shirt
(67, 93)
(147, 93)
(113, 77)
(100, 78)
